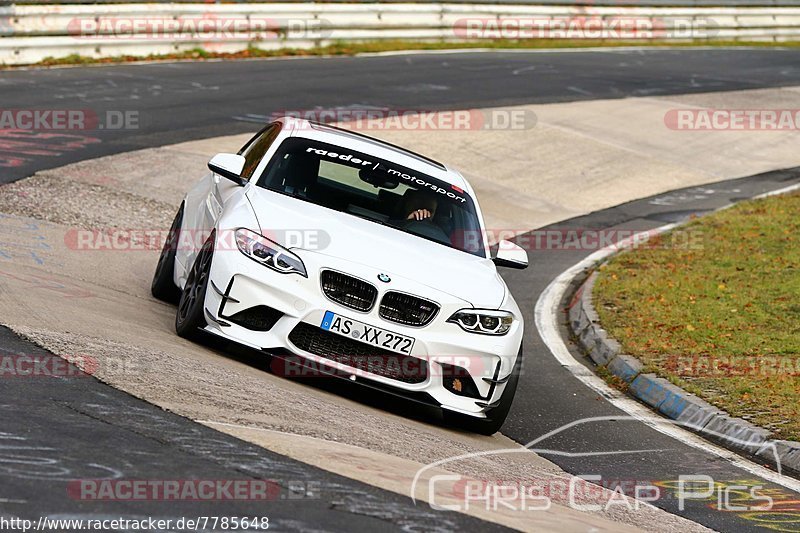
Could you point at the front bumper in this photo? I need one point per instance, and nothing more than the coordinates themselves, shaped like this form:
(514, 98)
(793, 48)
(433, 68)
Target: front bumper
(238, 284)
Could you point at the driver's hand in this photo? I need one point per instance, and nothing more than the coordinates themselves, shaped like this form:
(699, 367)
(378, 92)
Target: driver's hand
(419, 214)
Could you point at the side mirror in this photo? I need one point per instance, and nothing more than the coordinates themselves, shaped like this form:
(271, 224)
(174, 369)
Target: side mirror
(510, 255)
(228, 166)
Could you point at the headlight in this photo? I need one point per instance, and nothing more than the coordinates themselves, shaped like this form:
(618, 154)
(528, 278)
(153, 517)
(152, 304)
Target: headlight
(483, 321)
(270, 254)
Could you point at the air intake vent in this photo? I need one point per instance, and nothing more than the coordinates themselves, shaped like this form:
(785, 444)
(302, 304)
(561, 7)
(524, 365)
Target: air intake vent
(348, 291)
(258, 318)
(407, 310)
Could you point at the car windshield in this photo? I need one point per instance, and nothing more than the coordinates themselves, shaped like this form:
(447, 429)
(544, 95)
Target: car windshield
(381, 191)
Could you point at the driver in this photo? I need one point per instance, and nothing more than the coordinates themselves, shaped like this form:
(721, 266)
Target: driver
(420, 206)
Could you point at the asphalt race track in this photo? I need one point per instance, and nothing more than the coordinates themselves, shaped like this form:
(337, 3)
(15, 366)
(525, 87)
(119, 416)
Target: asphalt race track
(182, 101)
(91, 422)
(177, 102)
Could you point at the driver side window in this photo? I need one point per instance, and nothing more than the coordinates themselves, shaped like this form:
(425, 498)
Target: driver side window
(255, 149)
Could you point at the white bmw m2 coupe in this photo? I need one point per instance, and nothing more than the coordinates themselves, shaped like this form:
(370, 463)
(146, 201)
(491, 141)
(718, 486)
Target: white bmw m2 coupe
(344, 255)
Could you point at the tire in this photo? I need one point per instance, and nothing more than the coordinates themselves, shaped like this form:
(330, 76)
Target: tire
(190, 316)
(494, 417)
(163, 286)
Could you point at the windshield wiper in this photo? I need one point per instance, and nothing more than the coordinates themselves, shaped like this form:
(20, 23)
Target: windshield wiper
(365, 217)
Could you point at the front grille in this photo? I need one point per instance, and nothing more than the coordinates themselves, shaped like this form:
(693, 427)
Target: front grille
(348, 291)
(406, 309)
(359, 355)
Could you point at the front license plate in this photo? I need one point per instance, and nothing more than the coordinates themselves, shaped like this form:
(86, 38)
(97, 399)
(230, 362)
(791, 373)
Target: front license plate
(366, 333)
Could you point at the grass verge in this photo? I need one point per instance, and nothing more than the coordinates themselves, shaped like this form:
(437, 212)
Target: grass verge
(720, 318)
(352, 48)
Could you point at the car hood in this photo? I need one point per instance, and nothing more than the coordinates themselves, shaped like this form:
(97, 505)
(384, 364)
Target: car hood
(301, 225)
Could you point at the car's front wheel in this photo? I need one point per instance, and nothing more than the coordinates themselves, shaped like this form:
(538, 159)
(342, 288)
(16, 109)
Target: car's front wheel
(163, 286)
(190, 317)
(496, 416)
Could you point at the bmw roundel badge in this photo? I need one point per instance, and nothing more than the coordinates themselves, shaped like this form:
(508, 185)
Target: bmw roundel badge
(384, 278)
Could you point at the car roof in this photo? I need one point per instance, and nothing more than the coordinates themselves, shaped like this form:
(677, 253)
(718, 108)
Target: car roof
(377, 147)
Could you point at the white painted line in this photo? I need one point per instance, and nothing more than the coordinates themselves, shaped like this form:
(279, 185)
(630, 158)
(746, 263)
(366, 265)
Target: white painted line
(565, 50)
(547, 317)
(790, 188)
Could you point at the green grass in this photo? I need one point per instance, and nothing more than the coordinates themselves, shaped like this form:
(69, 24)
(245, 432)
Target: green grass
(352, 48)
(722, 309)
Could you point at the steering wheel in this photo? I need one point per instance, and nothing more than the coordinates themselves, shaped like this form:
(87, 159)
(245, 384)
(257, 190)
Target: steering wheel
(426, 228)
